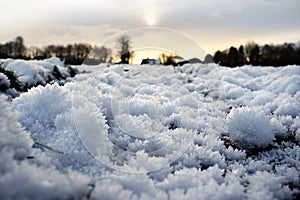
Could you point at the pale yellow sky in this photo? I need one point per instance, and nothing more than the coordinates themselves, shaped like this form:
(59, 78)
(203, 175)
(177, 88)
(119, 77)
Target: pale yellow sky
(213, 24)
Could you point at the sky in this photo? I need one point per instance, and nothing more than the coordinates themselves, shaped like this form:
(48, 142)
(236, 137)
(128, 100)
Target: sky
(213, 24)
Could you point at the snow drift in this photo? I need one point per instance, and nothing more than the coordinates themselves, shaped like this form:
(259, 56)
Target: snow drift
(208, 132)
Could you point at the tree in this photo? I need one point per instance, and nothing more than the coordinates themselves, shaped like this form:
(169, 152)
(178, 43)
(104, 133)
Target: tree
(124, 49)
(102, 54)
(254, 55)
(70, 50)
(233, 57)
(9, 49)
(82, 50)
(248, 48)
(297, 54)
(19, 47)
(287, 54)
(50, 51)
(242, 57)
(2, 51)
(219, 57)
(60, 51)
(267, 55)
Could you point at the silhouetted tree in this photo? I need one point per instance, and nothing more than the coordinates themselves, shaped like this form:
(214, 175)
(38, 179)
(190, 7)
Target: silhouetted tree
(233, 57)
(219, 57)
(102, 54)
(82, 50)
(18, 47)
(13, 49)
(50, 51)
(70, 50)
(251, 53)
(254, 55)
(248, 48)
(297, 54)
(60, 51)
(2, 51)
(242, 57)
(266, 53)
(287, 54)
(124, 49)
(9, 49)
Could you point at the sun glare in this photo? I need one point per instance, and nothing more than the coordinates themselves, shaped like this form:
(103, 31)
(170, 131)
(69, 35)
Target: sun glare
(150, 20)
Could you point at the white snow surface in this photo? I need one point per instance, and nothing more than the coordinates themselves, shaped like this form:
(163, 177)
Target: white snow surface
(33, 72)
(250, 128)
(4, 80)
(200, 131)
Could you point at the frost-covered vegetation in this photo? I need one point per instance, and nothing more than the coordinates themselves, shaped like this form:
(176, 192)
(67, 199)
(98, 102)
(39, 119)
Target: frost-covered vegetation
(154, 132)
(18, 76)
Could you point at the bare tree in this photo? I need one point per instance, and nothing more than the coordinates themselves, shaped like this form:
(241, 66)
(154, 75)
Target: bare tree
(15, 48)
(242, 57)
(19, 47)
(124, 46)
(50, 51)
(82, 50)
(102, 54)
(248, 48)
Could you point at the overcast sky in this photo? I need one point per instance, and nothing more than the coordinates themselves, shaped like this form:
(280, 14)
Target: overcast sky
(214, 24)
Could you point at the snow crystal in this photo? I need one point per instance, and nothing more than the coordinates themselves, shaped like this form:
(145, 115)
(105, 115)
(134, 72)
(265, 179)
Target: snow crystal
(13, 138)
(22, 179)
(250, 128)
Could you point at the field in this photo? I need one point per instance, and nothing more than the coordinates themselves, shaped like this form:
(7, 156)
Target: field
(199, 131)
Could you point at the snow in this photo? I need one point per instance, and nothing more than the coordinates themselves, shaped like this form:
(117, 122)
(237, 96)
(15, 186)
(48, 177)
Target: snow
(250, 128)
(200, 131)
(4, 82)
(24, 178)
(32, 73)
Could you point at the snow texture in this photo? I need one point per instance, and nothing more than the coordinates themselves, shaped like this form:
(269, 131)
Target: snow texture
(31, 73)
(152, 132)
(250, 128)
(4, 80)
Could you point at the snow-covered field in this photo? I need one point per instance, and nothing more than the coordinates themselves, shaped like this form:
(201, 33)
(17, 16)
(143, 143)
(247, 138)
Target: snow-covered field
(19, 75)
(198, 131)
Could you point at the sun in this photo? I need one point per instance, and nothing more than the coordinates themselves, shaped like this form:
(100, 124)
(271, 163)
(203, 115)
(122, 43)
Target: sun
(150, 20)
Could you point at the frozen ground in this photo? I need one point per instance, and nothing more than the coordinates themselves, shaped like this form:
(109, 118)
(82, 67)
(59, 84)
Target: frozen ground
(153, 132)
(18, 75)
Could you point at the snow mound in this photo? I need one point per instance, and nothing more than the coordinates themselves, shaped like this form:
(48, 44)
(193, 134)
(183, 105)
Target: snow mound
(14, 140)
(47, 114)
(249, 128)
(27, 74)
(25, 177)
(4, 82)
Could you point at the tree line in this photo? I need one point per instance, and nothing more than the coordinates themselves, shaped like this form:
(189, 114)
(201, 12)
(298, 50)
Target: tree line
(254, 54)
(250, 53)
(73, 54)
